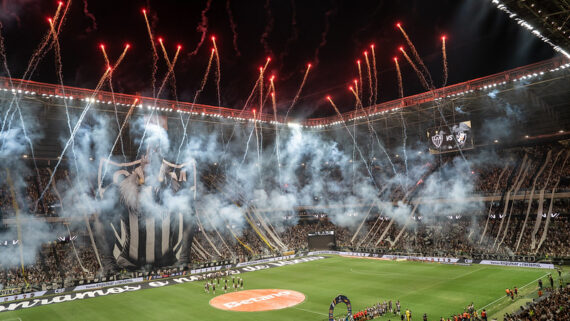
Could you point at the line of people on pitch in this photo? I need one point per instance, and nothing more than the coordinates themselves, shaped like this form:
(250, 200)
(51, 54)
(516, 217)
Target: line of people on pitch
(236, 283)
(381, 309)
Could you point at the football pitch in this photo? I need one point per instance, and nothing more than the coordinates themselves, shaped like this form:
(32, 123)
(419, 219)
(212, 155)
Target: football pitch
(437, 289)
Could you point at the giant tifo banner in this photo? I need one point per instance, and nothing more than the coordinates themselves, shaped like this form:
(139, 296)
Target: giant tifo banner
(143, 228)
(450, 138)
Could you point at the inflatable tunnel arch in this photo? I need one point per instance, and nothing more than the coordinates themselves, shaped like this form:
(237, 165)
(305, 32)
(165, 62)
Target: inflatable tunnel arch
(340, 298)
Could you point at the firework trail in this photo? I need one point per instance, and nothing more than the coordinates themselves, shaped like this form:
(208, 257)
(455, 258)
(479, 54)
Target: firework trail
(105, 56)
(268, 28)
(90, 16)
(404, 129)
(233, 25)
(259, 142)
(111, 88)
(166, 77)
(90, 103)
(418, 72)
(353, 140)
(324, 35)
(121, 128)
(170, 64)
(359, 78)
(218, 71)
(355, 92)
(371, 91)
(399, 75)
(202, 85)
(298, 91)
(274, 105)
(64, 15)
(358, 101)
(375, 74)
(444, 55)
(202, 27)
(154, 53)
(59, 67)
(292, 38)
(416, 55)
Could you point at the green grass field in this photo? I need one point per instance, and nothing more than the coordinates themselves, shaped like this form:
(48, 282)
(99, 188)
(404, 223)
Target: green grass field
(436, 289)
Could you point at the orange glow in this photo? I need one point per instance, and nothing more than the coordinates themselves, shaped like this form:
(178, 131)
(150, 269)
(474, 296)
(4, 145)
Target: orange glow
(443, 38)
(401, 48)
(127, 46)
(160, 39)
(366, 53)
(395, 58)
(179, 47)
(213, 38)
(358, 61)
(49, 20)
(329, 97)
(272, 77)
(350, 88)
(60, 3)
(398, 24)
(372, 46)
(144, 11)
(309, 65)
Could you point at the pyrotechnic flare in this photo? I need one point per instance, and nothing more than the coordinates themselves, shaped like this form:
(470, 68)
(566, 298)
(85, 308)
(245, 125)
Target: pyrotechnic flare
(444, 55)
(298, 91)
(102, 46)
(375, 74)
(371, 92)
(64, 15)
(417, 57)
(418, 72)
(218, 71)
(358, 102)
(360, 79)
(399, 74)
(154, 54)
(356, 89)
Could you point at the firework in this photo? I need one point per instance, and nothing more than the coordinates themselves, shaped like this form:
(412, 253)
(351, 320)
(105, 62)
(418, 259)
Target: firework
(358, 102)
(416, 56)
(375, 73)
(154, 54)
(444, 55)
(299, 91)
(399, 74)
(202, 85)
(359, 78)
(418, 72)
(371, 92)
(218, 71)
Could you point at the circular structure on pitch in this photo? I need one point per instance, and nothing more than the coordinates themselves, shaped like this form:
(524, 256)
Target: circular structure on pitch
(257, 300)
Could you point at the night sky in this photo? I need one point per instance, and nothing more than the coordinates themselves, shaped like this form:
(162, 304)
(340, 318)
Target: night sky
(329, 34)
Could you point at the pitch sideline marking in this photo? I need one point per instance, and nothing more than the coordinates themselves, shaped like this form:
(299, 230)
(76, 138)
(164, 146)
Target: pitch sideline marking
(524, 286)
(12, 319)
(319, 313)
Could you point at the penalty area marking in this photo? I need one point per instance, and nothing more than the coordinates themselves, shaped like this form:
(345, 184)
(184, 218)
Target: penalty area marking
(12, 319)
(257, 300)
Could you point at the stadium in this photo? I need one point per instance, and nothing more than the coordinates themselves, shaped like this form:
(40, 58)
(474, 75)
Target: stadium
(263, 170)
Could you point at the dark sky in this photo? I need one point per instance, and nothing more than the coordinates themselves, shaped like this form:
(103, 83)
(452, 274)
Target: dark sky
(481, 40)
